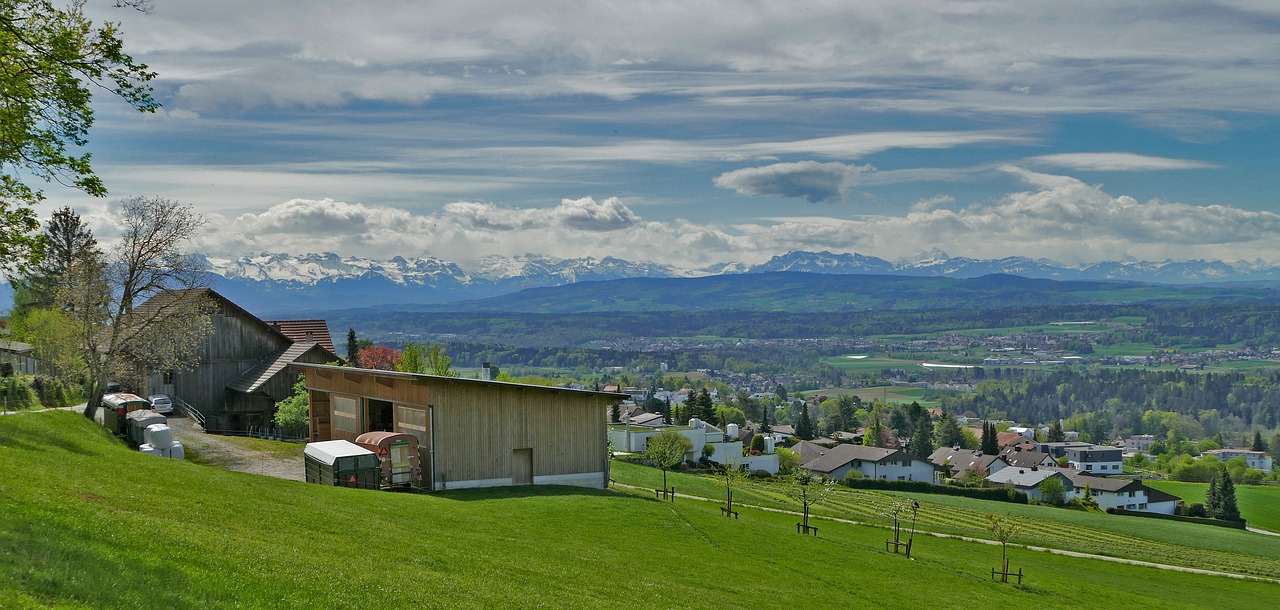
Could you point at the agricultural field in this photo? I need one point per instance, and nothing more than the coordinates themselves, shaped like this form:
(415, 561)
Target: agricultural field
(871, 364)
(1259, 504)
(89, 523)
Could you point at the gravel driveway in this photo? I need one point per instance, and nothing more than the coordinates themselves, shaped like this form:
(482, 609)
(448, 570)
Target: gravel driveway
(222, 452)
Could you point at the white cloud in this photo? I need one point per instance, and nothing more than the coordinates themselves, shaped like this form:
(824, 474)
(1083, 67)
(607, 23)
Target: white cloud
(817, 182)
(1117, 162)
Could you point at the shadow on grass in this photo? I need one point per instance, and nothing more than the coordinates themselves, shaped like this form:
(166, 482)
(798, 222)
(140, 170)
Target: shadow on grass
(518, 491)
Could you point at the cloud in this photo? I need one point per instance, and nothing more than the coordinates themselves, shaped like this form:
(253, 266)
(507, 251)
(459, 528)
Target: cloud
(584, 214)
(1118, 162)
(817, 182)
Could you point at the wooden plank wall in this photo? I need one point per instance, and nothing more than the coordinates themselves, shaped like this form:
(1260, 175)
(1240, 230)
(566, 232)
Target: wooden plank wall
(478, 426)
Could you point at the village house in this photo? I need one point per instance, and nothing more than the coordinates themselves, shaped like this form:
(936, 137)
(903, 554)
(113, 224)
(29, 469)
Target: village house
(1096, 459)
(1252, 459)
(873, 463)
(1028, 480)
(957, 462)
(727, 446)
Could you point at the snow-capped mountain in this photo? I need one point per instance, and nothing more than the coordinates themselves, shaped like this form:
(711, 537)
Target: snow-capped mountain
(279, 283)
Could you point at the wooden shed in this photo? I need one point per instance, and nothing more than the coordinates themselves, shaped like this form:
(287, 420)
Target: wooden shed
(471, 433)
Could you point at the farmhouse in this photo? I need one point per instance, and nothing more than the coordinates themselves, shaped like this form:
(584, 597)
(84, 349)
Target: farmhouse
(240, 374)
(471, 433)
(957, 461)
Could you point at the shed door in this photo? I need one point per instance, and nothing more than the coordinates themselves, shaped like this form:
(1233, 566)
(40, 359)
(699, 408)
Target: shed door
(522, 467)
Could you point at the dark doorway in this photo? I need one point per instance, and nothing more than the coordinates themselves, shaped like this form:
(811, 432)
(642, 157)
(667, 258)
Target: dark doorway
(379, 415)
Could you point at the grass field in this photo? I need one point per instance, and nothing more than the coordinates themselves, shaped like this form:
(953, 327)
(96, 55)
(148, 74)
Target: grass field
(871, 363)
(87, 523)
(1191, 545)
(1259, 504)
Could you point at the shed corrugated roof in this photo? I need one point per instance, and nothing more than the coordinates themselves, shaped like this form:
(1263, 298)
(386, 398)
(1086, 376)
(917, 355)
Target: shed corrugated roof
(254, 379)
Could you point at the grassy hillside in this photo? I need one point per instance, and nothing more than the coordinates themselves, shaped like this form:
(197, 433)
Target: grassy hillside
(1259, 504)
(86, 523)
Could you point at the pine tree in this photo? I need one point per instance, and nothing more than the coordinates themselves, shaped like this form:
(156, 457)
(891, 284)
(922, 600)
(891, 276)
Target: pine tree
(990, 445)
(949, 434)
(764, 419)
(1213, 500)
(804, 429)
(1228, 510)
(1056, 434)
(1258, 443)
(353, 348)
(874, 434)
(921, 444)
(67, 242)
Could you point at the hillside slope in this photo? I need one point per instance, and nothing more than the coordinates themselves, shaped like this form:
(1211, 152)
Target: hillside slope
(88, 523)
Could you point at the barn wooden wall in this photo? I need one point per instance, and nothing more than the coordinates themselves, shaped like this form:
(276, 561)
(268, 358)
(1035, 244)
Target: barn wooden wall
(478, 426)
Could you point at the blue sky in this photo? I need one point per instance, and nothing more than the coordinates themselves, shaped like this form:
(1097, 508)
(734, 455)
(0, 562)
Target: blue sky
(692, 133)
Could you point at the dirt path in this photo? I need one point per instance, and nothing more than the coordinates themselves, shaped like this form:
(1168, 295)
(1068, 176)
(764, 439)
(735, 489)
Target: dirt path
(223, 452)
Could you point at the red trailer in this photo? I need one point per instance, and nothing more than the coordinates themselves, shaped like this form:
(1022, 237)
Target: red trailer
(398, 453)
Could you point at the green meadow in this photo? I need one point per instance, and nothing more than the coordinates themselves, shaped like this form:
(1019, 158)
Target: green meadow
(87, 523)
(1259, 504)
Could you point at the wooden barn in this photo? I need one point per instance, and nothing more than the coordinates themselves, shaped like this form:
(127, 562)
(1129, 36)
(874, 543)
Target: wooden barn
(242, 370)
(471, 433)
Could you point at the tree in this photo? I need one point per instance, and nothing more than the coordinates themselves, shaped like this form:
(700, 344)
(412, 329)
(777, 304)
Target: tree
(808, 490)
(1258, 443)
(411, 359)
(379, 358)
(1056, 434)
(1213, 499)
(780, 392)
(949, 434)
(50, 59)
(848, 407)
(52, 335)
(667, 449)
(921, 443)
(874, 436)
(353, 348)
(989, 445)
(735, 474)
(65, 240)
(804, 429)
(294, 413)
(142, 304)
(1228, 510)
(428, 359)
(1052, 491)
(1003, 528)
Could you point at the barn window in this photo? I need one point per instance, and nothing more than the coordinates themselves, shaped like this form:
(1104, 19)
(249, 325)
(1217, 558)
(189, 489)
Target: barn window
(412, 421)
(346, 414)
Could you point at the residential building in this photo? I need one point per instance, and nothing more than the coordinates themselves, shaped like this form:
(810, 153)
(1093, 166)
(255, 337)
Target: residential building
(1139, 443)
(957, 462)
(873, 463)
(1252, 459)
(1028, 480)
(1096, 459)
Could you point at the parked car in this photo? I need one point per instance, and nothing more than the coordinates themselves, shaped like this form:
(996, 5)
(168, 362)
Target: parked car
(161, 404)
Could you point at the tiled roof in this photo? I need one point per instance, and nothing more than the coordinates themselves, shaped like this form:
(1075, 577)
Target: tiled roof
(254, 379)
(305, 331)
(840, 455)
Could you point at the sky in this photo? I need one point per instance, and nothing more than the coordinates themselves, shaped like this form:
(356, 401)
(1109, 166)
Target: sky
(703, 131)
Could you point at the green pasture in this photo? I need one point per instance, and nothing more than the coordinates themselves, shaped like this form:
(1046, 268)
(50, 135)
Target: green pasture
(88, 523)
(871, 363)
(1259, 504)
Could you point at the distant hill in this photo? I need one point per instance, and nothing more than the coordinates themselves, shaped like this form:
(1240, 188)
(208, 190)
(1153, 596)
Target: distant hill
(814, 292)
(280, 283)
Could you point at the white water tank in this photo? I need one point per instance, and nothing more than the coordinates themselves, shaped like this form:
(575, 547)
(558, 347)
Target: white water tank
(731, 432)
(159, 436)
(695, 423)
(768, 444)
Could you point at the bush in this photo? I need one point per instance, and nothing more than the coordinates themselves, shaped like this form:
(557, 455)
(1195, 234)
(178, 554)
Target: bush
(761, 474)
(1197, 510)
(757, 444)
(853, 475)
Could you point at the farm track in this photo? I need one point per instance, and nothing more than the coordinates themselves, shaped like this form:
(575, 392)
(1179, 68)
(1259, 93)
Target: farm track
(1136, 562)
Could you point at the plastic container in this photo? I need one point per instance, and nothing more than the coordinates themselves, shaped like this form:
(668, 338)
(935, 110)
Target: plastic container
(148, 449)
(174, 452)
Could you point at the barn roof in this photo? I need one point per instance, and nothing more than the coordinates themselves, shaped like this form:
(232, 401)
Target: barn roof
(305, 331)
(303, 367)
(259, 375)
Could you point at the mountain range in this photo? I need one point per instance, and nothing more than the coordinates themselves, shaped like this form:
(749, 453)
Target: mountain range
(284, 284)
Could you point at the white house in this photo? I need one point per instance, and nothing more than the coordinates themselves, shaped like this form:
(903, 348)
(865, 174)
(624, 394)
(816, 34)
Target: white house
(1253, 459)
(873, 463)
(726, 448)
(1028, 480)
(1096, 459)
(958, 461)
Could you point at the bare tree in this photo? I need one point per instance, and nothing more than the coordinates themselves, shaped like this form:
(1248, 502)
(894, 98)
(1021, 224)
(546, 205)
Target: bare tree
(1004, 527)
(142, 305)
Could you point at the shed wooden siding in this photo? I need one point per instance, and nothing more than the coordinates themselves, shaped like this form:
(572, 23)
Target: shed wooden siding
(478, 426)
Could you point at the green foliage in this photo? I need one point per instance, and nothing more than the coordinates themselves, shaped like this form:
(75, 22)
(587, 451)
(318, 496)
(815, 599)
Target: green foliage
(788, 460)
(427, 359)
(294, 412)
(804, 429)
(51, 59)
(757, 443)
(353, 349)
(852, 477)
(16, 394)
(1052, 491)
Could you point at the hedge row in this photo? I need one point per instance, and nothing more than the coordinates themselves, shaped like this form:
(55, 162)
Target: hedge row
(999, 494)
(1202, 520)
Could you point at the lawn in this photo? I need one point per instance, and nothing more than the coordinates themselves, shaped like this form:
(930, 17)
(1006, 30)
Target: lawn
(1259, 504)
(88, 523)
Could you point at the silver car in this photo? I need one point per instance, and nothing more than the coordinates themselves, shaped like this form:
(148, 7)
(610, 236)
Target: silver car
(161, 404)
